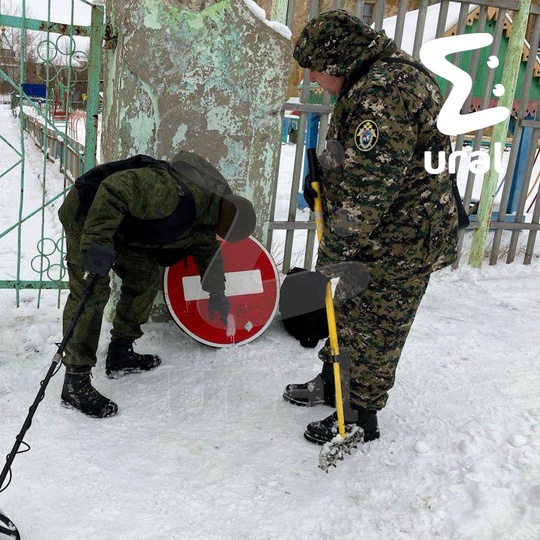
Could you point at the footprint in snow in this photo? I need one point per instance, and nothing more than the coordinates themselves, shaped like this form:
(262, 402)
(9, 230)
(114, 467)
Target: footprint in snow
(421, 447)
(517, 440)
(469, 446)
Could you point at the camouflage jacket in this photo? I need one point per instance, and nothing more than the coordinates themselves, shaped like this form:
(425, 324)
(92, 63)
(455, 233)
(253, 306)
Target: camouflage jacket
(381, 206)
(151, 193)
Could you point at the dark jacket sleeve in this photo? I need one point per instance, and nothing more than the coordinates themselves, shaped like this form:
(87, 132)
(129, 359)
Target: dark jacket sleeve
(207, 254)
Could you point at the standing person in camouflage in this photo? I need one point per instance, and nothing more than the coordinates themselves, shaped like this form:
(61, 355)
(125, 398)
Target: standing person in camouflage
(152, 214)
(381, 208)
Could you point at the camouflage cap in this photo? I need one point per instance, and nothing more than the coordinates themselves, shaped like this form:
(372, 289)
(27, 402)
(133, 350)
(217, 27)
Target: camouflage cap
(330, 42)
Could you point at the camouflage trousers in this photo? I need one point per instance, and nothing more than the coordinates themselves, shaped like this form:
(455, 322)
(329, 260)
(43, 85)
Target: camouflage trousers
(140, 276)
(372, 329)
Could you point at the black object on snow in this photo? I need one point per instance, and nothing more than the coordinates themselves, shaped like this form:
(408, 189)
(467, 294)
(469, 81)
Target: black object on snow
(302, 306)
(8, 529)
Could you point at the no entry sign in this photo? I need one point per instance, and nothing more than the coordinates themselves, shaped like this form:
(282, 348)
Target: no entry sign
(252, 287)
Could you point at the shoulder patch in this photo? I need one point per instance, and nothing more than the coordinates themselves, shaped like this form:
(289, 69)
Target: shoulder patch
(366, 135)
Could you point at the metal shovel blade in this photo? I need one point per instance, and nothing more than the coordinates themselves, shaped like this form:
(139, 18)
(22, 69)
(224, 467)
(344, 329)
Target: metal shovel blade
(337, 448)
(8, 531)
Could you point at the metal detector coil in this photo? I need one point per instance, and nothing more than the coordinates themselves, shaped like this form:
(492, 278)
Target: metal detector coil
(8, 529)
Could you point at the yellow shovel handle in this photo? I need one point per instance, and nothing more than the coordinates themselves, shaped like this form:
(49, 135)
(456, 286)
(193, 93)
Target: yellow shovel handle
(331, 317)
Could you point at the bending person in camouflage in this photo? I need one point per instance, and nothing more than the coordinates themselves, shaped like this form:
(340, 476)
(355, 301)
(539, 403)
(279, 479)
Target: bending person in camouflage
(381, 207)
(153, 214)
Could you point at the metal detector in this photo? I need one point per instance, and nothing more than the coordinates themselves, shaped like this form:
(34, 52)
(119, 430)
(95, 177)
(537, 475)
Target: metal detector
(98, 262)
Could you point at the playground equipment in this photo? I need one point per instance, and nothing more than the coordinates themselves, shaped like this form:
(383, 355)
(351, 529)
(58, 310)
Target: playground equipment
(76, 119)
(60, 107)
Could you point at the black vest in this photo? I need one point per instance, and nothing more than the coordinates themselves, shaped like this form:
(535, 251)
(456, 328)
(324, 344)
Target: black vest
(133, 230)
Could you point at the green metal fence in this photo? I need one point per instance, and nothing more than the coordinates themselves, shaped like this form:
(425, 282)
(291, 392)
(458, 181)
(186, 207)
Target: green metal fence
(31, 189)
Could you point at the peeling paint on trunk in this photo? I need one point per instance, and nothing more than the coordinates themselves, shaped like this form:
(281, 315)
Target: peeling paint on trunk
(201, 76)
(180, 136)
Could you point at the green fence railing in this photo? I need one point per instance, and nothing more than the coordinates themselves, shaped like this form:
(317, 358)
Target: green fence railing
(31, 240)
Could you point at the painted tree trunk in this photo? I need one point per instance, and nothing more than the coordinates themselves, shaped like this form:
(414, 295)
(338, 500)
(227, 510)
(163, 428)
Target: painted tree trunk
(201, 76)
(196, 75)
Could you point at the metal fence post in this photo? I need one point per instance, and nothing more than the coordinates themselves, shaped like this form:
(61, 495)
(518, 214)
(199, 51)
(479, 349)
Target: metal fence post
(509, 81)
(94, 75)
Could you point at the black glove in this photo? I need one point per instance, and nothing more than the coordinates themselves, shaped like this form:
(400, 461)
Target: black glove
(99, 259)
(309, 192)
(220, 303)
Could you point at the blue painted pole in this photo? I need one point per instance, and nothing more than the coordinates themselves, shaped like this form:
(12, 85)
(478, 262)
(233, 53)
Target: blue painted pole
(312, 135)
(525, 146)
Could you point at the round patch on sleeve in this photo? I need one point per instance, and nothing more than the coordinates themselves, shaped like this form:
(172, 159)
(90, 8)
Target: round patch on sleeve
(366, 135)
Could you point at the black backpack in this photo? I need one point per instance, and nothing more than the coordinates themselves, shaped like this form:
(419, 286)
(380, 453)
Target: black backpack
(302, 306)
(156, 231)
(88, 183)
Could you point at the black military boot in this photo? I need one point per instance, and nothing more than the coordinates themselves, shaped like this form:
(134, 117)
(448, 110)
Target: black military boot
(315, 392)
(323, 431)
(122, 359)
(79, 394)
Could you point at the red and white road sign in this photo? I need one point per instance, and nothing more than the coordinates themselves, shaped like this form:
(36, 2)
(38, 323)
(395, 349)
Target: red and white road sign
(252, 287)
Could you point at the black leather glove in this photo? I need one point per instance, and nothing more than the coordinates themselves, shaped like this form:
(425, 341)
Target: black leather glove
(99, 259)
(309, 192)
(220, 303)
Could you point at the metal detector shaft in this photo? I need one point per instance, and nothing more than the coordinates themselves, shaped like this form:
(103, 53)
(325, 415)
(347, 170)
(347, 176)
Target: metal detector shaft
(330, 314)
(57, 359)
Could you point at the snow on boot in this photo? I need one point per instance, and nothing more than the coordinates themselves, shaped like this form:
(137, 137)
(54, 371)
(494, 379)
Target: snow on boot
(315, 392)
(78, 393)
(309, 394)
(122, 359)
(323, 431)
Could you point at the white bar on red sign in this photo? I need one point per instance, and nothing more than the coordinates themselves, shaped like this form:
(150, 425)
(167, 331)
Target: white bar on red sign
(236, 284)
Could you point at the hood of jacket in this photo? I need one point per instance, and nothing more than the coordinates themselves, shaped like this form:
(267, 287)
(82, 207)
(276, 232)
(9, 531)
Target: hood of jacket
(337, 43)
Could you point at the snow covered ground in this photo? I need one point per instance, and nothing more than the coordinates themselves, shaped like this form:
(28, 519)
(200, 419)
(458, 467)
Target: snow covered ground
(204, 447)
